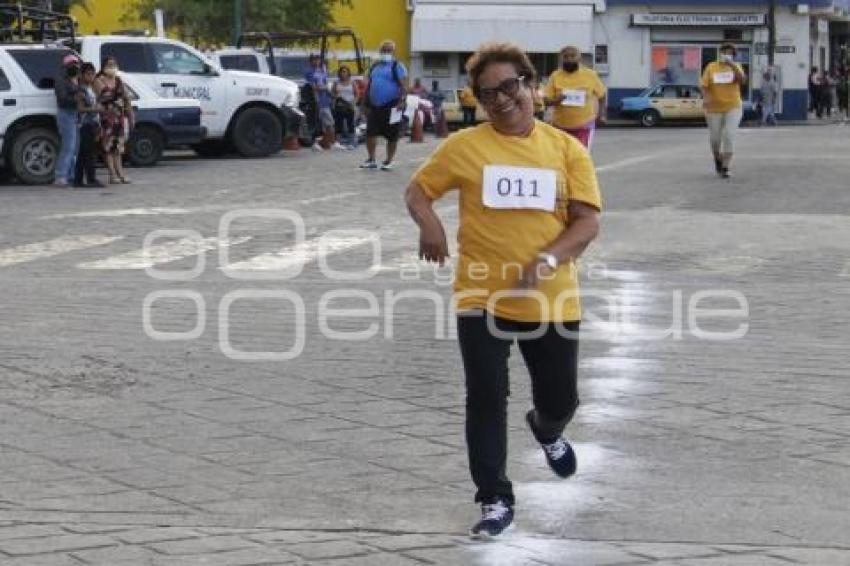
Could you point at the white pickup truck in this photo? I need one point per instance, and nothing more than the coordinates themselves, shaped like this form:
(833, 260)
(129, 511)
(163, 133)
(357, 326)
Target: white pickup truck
(249, 112)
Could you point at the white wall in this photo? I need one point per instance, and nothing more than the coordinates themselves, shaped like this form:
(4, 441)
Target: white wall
(629, 48)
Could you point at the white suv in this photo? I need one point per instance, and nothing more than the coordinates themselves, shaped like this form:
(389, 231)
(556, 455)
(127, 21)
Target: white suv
(248, 111)
(29, 142)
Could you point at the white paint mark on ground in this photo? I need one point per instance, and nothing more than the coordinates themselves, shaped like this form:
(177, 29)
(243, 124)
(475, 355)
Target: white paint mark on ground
(630, 161)
(166, 211)
(120, 213)
(162, 253)
(50, 248)
(297, 256)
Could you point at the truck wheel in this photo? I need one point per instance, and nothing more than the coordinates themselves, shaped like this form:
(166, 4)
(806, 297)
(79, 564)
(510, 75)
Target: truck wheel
(257, 133)
(211, 148)
(33, 156)
(650, 118)
(146, 146)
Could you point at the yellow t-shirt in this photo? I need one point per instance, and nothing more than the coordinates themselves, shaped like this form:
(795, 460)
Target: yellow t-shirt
(582, 86)
(467, 98)
(722, 96)
(495, 242)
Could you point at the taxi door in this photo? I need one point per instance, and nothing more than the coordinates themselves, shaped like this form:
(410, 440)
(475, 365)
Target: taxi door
(690, 102)
(665, 99)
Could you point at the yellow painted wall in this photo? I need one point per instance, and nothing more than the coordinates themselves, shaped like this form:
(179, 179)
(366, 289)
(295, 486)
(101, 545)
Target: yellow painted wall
(105, 16)
(373, 20)
(377, 20)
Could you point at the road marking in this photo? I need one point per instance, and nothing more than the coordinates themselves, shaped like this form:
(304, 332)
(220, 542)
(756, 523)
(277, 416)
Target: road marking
(299, 255)
(50, 248)
(166, 211)
(162, 253)
(630, 161)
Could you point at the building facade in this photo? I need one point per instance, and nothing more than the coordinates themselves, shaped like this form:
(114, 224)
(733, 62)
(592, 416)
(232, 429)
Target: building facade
(636, 43)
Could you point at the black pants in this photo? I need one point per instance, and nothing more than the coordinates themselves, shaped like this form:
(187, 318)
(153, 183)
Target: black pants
(552, 362)
(87, 157)
(468, 116)
(344, 120)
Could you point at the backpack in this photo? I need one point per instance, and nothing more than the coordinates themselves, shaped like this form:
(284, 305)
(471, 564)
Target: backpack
(396, 78)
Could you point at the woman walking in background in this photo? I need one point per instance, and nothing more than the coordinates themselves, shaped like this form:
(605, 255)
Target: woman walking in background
(116, 118)
(721, 91)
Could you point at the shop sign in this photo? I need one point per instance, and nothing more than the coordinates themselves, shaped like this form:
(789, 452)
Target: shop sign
(698, 20)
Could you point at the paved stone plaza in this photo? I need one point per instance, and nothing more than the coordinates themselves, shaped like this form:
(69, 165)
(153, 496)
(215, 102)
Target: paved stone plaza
(120, 448)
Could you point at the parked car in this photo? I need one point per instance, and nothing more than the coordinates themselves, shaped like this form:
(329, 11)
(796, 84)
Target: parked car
(247, 111)
(160, 123)
(670, 102)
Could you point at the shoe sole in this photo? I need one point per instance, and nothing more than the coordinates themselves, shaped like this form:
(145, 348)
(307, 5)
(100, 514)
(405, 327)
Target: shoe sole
(485, 537)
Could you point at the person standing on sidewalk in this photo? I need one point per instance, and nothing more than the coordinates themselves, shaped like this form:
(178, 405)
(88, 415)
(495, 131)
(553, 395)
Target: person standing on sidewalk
(721, 92)
(579, 97)
(345, 105)
(68, 102)
(843, 89)
(317, 77)
(85, 173)
(770, 95)
(386, 93)
(530, 206)
(468, 105)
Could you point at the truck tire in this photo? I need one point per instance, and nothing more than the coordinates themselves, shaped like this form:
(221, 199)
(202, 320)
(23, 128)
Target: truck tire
(211, 148)
(33, 155)
(146, 145)
(257, 133)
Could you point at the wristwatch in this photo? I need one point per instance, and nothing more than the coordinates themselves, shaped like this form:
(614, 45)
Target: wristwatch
(548, 259)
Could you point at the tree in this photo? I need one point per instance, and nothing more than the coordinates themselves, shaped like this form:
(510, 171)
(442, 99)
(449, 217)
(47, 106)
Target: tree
(212, 20)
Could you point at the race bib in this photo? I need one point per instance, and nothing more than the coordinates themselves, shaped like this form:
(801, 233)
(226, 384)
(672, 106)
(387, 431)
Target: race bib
(723, 78)
(574, 98)
(506, 186)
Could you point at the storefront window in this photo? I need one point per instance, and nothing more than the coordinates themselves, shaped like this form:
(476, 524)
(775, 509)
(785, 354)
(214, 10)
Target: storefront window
(684, 64)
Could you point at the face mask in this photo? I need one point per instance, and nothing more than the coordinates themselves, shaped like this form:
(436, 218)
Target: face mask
(726, 58)
(387, 57)
(110, 71)
(570, 67)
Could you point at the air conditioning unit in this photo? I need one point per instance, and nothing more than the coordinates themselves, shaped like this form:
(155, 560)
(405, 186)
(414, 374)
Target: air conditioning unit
(801, 9)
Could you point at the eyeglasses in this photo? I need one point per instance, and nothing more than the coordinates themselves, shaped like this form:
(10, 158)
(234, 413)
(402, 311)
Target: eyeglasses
(508, 87)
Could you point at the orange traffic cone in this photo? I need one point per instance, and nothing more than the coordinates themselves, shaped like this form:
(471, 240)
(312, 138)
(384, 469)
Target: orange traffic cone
(328, 138)
(442, 128)
(291, 143)
(417, 132)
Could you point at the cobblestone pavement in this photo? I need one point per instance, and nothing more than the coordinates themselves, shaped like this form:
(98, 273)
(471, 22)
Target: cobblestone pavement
(116, 448)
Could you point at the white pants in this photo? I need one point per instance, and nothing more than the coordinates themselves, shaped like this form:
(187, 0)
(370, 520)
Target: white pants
(722, 127)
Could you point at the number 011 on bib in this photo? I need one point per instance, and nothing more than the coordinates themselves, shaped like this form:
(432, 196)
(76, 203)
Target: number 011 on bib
(506, 186)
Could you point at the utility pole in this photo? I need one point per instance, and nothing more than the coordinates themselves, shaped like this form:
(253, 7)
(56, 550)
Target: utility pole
(237, 20)
(771, 32)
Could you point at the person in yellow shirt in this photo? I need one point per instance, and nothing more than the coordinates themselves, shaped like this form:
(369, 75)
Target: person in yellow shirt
(529, 207)
(578, 95)
(468, 104)
(721, 92)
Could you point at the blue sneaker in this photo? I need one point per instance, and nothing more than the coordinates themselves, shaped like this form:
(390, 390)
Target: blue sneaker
(496, 517)
(559, 454)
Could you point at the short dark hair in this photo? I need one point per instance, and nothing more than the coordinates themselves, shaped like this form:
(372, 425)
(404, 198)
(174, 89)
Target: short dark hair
(499, 53)
(728, 47)
(86, 67)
